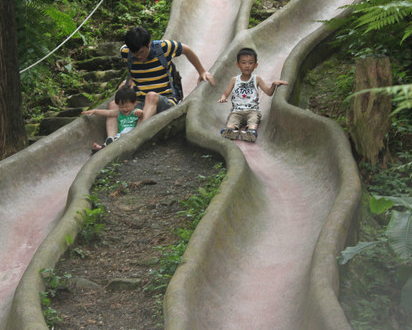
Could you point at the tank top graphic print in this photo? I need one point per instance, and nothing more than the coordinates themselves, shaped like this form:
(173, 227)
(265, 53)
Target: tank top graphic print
(126, 121)
(245, 95)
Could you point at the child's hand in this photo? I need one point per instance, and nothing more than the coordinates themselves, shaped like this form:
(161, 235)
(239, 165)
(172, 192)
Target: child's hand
(88, 112)
(206, 76)
(279, 82)
(222, 99)
(138, 113)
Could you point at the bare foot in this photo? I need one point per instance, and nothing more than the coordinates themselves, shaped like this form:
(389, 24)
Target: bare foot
(97, 146)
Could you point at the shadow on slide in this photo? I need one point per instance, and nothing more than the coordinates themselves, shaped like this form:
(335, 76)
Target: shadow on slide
(264, 256)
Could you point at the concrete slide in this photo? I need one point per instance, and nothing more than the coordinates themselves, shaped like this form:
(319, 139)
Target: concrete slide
(264, 256)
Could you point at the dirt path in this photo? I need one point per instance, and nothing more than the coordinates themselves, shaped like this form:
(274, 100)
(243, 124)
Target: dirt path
(138, 220)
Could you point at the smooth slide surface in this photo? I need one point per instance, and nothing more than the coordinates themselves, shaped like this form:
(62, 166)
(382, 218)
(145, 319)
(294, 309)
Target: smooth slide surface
(264, 256)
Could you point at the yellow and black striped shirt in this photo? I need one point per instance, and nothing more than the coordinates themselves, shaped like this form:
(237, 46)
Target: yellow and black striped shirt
(150, 75)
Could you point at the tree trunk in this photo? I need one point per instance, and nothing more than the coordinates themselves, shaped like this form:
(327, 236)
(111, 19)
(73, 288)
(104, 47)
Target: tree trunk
(12, 133)
(368, 119)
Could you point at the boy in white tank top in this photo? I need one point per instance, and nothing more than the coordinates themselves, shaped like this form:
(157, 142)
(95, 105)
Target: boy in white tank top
(245, 98)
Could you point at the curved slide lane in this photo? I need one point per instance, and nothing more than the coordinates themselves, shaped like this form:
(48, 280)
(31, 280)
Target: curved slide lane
(264, 256)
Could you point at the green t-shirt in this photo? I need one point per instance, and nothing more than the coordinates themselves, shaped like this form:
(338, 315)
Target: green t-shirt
(127, 121)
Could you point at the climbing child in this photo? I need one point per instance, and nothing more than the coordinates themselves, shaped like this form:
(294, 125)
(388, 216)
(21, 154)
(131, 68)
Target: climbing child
(125, 112)
(245, 110)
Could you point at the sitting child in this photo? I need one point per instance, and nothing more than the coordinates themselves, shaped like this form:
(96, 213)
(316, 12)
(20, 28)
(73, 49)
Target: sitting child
(245, 98)
(127, 115)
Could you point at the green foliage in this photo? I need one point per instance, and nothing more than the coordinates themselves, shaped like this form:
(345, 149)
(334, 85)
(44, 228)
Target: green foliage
(91, 225)
(194, 208)
(79, 252)
(107, 179)
(371, 282)
(398, 237)
(373, 279)
(53, 283)
(69, 240)
(406, 296)
(392, 181)
(398, 232)
(32, 26)
(377, 14)
(376, 27)
(64, 15)
(353, 251)
(401, 94)
(42, 25)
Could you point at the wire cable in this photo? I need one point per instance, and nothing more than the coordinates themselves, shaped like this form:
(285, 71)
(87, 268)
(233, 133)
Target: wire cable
(67, 39)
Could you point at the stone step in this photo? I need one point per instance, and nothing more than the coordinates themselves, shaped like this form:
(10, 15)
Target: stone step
(99, 63)
(71, 112)
(51, 124)
(102, 49)
(102, 76)
(78, 101)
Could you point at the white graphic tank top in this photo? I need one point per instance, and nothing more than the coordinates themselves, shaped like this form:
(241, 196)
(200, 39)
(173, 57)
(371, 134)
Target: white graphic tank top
(245, 95)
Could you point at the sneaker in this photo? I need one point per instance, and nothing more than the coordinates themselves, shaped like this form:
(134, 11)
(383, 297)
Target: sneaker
(250, 135)
(230, 133)
(109, 140)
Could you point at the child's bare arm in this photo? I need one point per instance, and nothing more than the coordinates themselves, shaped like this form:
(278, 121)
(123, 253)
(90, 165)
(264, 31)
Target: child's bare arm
(266, 89)
(227, 91)
(101, 112)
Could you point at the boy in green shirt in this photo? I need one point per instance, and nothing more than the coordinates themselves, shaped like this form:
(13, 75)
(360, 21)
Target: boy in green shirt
(125, 112)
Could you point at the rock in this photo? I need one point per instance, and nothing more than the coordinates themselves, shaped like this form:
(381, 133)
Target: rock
(104, 76)
(105, 49)
(81, 283)
(149, 262)
(100, 63)
(124, 284)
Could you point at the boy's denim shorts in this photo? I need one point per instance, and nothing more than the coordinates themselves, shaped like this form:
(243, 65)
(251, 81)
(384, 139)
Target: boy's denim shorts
(164, 104)
(243, 118)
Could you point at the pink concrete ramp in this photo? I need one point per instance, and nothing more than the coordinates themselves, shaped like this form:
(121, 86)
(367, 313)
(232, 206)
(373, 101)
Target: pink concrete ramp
(264, 256)
(252, 262)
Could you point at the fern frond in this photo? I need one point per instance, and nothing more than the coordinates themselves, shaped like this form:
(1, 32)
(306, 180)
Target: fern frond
(377, 17)
(401, 95)
(63, 21)
(408, 33)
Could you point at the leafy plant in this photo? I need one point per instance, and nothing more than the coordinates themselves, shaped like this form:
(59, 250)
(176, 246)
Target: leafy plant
(399, 230)
(106, 180)
(194, 208)
(91, 225)
(53, 282)
(42, 25)
(377, 14)
(398, 236)
(402, 96)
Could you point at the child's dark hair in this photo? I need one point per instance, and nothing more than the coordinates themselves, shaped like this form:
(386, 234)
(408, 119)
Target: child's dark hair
(125, 94)
(136, 38)
(246, 51)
